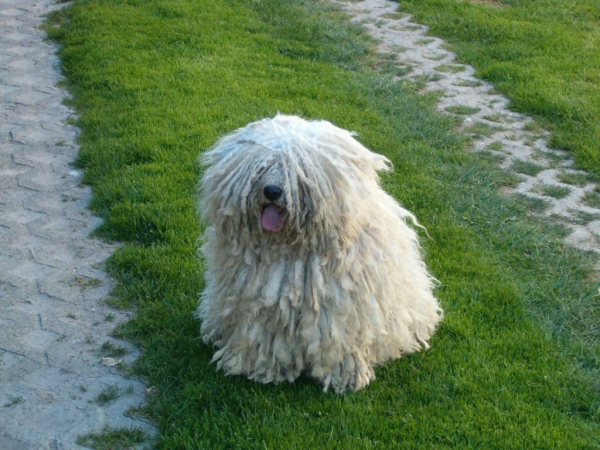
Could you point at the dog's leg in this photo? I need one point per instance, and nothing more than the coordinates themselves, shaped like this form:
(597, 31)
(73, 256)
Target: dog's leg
(260, 355)
(333, 351)
(351, 374)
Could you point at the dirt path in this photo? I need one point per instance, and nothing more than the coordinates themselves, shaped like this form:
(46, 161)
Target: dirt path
(560, 193)
(52, 318)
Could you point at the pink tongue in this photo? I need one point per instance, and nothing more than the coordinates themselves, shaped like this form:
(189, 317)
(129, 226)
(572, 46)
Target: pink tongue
(272, 219)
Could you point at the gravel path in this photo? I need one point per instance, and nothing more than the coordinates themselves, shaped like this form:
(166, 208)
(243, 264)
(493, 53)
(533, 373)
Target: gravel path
(560, 193)
(53, 322)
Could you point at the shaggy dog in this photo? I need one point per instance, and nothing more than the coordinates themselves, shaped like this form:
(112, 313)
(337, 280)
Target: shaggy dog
(312, 267)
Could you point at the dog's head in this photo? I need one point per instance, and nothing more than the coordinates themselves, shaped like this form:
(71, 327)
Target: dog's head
(287, 180)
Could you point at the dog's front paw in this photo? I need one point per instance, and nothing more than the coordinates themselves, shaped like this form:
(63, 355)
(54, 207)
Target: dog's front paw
(352, 374)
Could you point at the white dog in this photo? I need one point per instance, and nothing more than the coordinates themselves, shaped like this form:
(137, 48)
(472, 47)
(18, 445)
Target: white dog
(312, 267)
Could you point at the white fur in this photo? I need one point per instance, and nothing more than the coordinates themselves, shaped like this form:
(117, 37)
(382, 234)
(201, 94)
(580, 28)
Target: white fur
(341, 289)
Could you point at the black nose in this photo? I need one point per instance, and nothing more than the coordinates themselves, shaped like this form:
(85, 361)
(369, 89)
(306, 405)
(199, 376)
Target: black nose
(272, 192)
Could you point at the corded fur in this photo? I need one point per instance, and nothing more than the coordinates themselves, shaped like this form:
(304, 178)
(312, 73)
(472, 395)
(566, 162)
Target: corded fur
(341, 289)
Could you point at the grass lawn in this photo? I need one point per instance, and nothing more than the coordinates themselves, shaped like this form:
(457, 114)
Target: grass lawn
(155, 82)
(544, 55)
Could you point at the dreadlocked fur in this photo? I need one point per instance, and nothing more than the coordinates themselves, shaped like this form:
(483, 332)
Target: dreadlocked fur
(327, 279)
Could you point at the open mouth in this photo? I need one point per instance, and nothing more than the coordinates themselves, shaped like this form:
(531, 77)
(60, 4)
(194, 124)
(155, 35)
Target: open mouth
(273, 218)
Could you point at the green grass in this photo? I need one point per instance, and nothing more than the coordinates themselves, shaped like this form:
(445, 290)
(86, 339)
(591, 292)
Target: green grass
(592, 199)
(532, 204)
(394, 16)
(155, 82)
(480, 129)
(498, 118)
(84, 283)
(583, 217)
(468, 83)
(108, 395)
(13, 401)
(526, 167)
(552, 191)
(451, 68)
(533, 127)
(433, 57)
(108, 349)
(496, 146)
(544, 55)
(425, 41)
(113, 439)
(462, 109)
(575, 179)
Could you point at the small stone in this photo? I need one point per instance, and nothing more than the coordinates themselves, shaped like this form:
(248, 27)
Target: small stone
(110, 362)
(151, 390)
